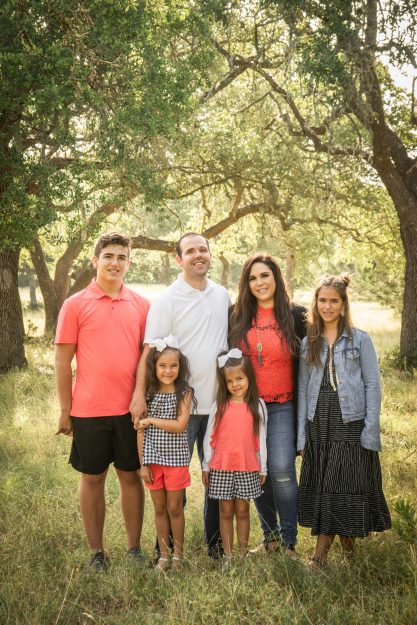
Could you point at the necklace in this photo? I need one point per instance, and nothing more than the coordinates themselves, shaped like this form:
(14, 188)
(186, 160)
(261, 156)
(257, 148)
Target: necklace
(257, 328)
(334, 383)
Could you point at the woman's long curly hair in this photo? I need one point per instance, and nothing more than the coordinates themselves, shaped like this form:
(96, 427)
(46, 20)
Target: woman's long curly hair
(315, 325)
(252, 394)
(181, 384)
(243, 315)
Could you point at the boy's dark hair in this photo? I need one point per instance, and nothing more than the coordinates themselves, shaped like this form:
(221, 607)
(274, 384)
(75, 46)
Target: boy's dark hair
(252, 394)
(112, 238)
(178, 249)
(181, 383)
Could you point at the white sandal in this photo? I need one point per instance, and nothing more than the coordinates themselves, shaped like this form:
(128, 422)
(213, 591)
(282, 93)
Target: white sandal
(162, 565)
(177, 562)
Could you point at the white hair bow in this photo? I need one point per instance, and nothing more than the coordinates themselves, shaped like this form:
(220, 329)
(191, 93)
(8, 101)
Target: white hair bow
(161, 344)
(233, 353)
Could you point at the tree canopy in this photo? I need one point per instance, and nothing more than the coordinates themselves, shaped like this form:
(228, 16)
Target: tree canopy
(180, 115)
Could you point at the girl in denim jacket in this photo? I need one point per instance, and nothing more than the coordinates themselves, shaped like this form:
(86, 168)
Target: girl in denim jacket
(340, 489)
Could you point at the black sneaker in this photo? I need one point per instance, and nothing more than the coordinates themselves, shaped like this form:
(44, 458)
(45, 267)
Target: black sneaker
(216, 552)
(135, 554)
(99, 562)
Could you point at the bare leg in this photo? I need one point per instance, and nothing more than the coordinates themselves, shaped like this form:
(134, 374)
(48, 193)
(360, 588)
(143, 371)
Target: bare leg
(323, 544)
(132, 503)
(242, 524)
(93, 508)
(159, 499)
(348, 544)
(227, 510)
(176, 518)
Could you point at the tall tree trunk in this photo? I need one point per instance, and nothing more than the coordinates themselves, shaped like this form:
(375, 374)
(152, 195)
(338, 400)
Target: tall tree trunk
(47, 288)
(82, 278)
(12, 351)
(403, 192)
(408, 341)
(32, 289)
(165, 270)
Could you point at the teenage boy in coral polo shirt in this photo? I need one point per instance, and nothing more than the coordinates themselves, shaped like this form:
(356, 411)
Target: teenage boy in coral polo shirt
(103, 327)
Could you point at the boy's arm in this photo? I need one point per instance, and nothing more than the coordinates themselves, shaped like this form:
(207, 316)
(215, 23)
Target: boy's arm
(64, 353)
(138, 407)
(176, 425)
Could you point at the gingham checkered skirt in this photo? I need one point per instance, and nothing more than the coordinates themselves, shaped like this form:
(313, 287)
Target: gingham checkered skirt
(234, 484)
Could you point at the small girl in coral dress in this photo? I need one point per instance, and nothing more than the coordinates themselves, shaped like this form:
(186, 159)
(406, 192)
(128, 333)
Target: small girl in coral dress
(234, 467)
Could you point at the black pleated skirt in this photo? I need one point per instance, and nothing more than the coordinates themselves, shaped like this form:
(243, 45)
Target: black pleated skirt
(340, 488)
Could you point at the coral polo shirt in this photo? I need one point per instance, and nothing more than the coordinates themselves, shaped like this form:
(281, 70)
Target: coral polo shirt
(108, 334)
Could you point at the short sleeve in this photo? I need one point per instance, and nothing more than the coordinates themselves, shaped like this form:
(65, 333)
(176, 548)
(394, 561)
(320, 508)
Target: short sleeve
(158, 322)
(67, 327)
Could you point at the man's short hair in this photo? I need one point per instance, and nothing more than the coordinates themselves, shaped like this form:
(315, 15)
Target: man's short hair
(184, 236)
(112, 238)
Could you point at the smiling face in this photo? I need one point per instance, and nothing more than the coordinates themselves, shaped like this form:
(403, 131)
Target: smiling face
(167, 368)
(111, 265)
(262, 284)
(237, 383)
(329, 305)
(195, 259)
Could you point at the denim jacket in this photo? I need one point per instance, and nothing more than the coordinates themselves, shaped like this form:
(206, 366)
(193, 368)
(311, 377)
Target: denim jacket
(358, 385)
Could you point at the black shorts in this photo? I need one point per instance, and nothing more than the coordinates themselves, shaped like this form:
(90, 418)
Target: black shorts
(99, 441)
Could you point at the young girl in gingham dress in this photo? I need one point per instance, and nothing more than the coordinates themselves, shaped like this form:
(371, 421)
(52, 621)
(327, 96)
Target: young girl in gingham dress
(234, 467)
(162, 443)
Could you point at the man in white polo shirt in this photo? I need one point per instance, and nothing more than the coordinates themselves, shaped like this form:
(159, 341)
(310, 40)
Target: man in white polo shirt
(195, 310)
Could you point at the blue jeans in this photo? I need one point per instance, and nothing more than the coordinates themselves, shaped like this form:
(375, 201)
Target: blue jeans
(196, 430)
(280, 490)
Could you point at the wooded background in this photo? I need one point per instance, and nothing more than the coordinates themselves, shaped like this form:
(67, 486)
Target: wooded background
(276, 125)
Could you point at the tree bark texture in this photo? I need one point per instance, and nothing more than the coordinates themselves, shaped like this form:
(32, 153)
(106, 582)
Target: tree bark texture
(47, 287)
(12, 352)
(408, 342)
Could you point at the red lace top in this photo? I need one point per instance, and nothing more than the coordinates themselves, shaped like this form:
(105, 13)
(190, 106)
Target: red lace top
(274, 375)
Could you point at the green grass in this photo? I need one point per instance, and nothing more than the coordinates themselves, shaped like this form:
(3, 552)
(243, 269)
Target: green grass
(43, 548)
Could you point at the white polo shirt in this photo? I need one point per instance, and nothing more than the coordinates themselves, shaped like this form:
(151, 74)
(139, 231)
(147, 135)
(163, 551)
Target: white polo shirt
(199, 321)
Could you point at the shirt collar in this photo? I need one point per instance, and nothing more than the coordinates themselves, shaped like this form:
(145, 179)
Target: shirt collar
(187, 288)
(97, 293)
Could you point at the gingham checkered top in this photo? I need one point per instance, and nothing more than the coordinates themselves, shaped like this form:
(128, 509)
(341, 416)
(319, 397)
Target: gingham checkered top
(160, 447)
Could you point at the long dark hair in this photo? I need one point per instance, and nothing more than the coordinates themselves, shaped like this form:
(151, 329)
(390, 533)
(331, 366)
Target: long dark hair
(244, 311)
(315, 325)
(252, 394)
(181, 384)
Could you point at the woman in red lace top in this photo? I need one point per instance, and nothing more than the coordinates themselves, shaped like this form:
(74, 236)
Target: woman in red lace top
(268, 328)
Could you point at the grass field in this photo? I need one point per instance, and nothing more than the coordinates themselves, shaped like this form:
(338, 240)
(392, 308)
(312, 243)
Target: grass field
(43, 549)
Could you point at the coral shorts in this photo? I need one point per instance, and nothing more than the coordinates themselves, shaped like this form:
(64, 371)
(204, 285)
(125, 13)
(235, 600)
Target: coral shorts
(170, 478)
